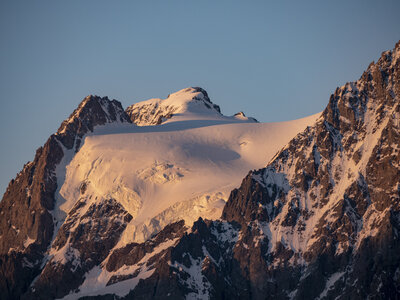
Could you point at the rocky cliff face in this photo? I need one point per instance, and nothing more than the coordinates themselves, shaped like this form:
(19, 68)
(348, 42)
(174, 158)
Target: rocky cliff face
(27, 221)
(91, 112)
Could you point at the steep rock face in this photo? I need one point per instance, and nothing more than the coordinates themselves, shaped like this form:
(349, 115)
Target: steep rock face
(157, 111)
(132, 253)
(127, 266)
(27, 223)
(198, 266)
(330, 199)
(79, 246)
(92, 111)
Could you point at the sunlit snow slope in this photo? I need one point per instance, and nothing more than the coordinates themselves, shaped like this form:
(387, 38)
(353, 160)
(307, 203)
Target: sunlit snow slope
(181, 169)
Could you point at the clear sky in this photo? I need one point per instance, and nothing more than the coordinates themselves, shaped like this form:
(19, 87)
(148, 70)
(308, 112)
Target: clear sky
(274, 60)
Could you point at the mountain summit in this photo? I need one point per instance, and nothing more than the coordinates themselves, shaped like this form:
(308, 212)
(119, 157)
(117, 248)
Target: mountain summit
(185, 105)
(189, 101)
(91, 112)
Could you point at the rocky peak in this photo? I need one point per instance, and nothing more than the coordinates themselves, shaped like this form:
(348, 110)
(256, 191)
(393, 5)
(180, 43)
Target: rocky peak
(203, 96)
(328, 202)
(31, 194)
(240, 114)
(92, 111)
(348, 105)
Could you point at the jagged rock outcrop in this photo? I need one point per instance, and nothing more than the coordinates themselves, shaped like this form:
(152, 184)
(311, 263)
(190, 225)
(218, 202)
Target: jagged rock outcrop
(193, 267)
(91, 112)
(79, 246)
(27, 222)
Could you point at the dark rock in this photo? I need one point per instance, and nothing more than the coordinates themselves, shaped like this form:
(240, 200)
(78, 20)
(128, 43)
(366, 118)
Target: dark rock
(88, 241)
(92, 111)
(133, 253)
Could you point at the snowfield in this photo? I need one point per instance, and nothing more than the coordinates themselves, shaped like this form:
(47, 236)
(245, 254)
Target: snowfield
(182, 169)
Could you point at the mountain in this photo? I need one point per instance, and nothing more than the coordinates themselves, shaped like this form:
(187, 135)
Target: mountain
(102, 184)
(157, 202)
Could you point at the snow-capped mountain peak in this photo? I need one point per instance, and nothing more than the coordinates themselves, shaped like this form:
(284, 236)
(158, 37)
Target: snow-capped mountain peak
(192, 99)
(189, 103)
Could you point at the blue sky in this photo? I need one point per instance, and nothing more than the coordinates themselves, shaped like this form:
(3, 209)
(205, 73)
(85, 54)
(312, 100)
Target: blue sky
(274, 60)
